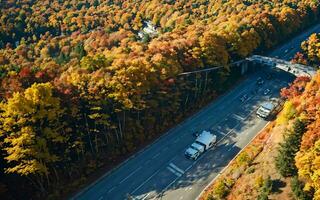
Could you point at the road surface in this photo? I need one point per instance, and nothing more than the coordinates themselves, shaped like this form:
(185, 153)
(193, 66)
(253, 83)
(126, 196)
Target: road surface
(162, 172)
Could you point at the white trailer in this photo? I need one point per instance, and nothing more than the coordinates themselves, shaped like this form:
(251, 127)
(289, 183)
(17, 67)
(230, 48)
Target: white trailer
(203, 142)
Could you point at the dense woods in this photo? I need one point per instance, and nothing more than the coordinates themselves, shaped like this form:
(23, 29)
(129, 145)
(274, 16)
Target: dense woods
(299, 154)
(84, 83)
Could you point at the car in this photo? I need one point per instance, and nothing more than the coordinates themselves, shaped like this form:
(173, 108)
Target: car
(260, 81)
(267, 91)
(196, 133)
(243, 97)
(269, 76)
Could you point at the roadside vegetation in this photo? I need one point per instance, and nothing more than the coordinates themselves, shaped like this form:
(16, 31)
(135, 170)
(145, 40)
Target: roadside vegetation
(288, 165)
(81, 89)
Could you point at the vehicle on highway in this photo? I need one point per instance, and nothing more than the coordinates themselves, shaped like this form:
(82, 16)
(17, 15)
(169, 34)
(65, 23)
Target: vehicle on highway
(203, 142)
(243, 97)
(196, 133)
(270, 108)
(267, 91)
(269, 76)
(260, 81)
(265, 109)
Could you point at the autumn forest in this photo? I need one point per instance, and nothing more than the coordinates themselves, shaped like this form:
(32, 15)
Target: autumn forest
(86, 83)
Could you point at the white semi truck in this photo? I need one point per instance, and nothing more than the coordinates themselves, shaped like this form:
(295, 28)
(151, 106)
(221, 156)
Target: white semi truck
(203, 142)
(269, 108)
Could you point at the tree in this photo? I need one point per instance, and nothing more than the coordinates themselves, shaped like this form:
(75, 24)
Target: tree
(297, 189)
(285, 159)
(32, 130)
(308, 164)
(266, 189)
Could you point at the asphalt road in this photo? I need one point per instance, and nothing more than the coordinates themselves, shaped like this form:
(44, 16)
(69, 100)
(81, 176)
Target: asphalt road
(162, 172)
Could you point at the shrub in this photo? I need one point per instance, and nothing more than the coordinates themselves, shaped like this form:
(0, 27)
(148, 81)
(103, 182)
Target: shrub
(259, 182)
(265, 189)
(243, 159)
(297, 189)
(251, 170)
(221, 190)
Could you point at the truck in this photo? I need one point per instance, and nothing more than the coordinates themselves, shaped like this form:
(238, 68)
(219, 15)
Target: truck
(269, 108)
(202, 143)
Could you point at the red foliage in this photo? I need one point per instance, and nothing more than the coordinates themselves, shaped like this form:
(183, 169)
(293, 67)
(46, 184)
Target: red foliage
(25, 72)
(296, 88)
(299, 58)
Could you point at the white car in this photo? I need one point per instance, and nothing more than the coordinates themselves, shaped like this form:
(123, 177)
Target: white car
(267, 91)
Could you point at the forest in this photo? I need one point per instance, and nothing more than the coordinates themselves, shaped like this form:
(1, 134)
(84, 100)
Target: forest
(86, 83)
(299, 153)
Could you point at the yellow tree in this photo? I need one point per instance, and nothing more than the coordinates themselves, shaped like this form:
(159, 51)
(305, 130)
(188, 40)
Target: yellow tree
(32, 131)
(308, 164)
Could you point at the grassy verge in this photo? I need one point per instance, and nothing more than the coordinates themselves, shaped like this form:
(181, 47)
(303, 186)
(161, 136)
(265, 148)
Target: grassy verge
(244, 163)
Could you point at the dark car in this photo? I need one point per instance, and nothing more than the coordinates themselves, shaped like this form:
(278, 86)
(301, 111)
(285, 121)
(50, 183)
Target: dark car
(196, 133)
(243, 97)
(260, 81)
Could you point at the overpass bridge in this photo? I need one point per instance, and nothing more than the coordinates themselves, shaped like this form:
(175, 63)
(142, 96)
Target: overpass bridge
(295, 69)
(250, 63)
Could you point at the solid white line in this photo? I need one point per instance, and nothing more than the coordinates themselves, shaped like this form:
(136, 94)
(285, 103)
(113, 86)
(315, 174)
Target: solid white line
(176, 168)
(145, 196)
(130, 175)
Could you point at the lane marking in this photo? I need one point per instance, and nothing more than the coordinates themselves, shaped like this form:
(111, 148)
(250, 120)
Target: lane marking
(224, 168)
(111, 189)
(156, 172)
(145, 196)
(174, 172)
(166, 148)
(176, 168)
(158, 154)
(130, 175)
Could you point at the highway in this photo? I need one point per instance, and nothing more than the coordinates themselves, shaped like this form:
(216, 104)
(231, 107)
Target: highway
(161, 171)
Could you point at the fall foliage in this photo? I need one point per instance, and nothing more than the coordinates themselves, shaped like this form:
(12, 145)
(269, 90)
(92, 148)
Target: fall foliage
(80, 86)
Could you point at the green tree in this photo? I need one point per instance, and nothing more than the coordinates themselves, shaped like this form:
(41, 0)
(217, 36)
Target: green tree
(297, 189)
(285, 159)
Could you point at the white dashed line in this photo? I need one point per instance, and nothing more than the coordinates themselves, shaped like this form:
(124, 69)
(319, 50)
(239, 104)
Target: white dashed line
(156, 155)
(111, 189)
(130, 175)
(176, 140)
